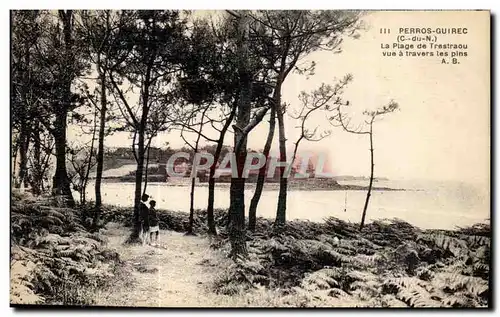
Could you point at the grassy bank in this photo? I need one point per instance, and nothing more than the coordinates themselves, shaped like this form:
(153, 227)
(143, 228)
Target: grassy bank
(389, 264)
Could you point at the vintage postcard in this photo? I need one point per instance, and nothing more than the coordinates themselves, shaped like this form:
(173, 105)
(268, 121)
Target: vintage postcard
(260, 158)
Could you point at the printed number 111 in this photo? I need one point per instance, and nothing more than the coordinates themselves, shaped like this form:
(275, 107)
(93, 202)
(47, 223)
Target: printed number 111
(385, 31)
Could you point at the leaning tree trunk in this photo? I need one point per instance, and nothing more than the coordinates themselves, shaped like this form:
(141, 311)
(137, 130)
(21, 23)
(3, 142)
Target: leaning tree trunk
(372, 165)
(237, 234)
(211, 180)
(191, 194)
(252, 213)
(281, 210)
(89, 163)
(211, 190)
(194, 175)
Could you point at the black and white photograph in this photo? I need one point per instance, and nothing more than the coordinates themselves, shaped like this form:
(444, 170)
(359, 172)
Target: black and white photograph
(250, 158)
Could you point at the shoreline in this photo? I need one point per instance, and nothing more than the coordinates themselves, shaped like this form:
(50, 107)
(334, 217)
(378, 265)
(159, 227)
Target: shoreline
(292, 186)
(201, 213)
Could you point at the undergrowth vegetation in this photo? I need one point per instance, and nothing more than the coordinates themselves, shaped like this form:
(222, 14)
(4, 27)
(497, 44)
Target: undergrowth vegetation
(54, 258)
(390, 263)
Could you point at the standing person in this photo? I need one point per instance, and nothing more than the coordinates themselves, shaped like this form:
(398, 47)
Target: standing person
(154, 227)
(144, 214)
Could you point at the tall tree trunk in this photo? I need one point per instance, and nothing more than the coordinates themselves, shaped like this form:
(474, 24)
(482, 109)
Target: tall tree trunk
(60, 183)
(211, 180)
(280, 111)
(252, 213)
(134, 237)
(100, 150)
(211, 199)
(372, 165)
(237, 234)
(89, 164)
(24, 140)
(281, 210)
(25, 129)
(45, 163)
(138, 184)
(191, 197)
(37, 175)
(80, 191)
(193, 180)
(147, 167)
(211, 189)
(191, 207)
(15, 149)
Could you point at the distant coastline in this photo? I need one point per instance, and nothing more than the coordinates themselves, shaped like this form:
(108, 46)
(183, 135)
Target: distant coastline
(293, 185)
(122, 171)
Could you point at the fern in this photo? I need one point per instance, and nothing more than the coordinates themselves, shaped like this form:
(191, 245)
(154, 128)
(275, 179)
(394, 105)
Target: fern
(425, 274)
(481, 270)
(322, 279)
(455, 246)
(455, 282)
(361, 283)
(458, 300)
(476, 241)
(65, 260)
(417, 297)
(369, 260)
(21, 289)
(410, 290)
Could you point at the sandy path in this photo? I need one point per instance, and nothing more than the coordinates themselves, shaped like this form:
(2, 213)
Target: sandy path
(174, 275)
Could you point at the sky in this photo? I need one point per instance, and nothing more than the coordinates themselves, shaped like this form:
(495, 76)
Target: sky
(442, 130)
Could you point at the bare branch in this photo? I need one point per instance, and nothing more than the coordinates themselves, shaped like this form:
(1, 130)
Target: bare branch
(259, 115)
(233, 13)
(124, 100)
